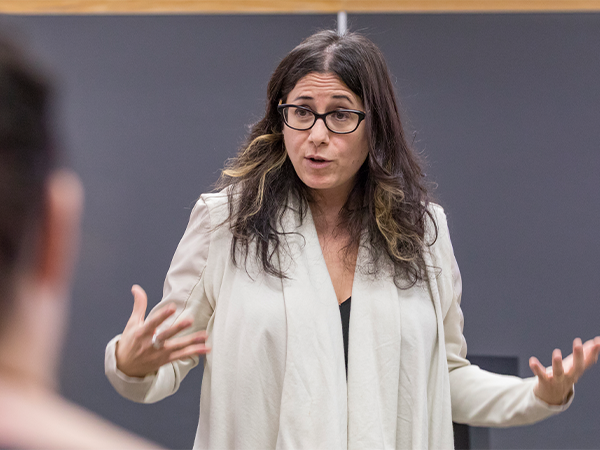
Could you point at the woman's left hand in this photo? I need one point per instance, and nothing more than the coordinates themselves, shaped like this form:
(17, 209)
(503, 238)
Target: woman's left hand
(556, 383)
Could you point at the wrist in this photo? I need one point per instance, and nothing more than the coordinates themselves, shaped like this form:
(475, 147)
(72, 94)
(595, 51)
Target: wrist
(553, 399)
(124, 368)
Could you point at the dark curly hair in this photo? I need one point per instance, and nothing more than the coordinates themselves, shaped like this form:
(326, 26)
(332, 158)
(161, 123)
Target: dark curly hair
(389, 201)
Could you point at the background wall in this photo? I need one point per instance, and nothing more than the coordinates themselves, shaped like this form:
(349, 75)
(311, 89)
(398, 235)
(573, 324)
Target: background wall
(503, 107)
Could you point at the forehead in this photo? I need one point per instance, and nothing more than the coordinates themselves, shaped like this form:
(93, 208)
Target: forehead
(321, 84)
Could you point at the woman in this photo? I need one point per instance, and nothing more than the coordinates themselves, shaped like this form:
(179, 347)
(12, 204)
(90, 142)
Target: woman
(326, 201)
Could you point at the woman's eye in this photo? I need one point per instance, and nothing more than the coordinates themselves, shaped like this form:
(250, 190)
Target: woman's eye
(341, 115)
(302, 115)
(301, 112)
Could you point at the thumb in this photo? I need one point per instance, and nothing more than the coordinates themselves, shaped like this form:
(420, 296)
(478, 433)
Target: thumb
(140, 303)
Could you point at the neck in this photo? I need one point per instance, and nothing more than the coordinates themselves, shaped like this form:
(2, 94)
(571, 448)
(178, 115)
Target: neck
(30, 341)
(326, 206)
(326, 213)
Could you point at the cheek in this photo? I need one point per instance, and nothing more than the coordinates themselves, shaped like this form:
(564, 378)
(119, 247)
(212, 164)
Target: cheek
(290, 144)
(357, 162)
(364, 140)
(359, 152)
(362, 148)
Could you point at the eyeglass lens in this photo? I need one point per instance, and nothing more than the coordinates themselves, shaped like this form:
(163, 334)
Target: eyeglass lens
(337, 121)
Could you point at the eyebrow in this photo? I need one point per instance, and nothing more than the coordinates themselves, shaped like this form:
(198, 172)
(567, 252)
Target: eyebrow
(337, 97)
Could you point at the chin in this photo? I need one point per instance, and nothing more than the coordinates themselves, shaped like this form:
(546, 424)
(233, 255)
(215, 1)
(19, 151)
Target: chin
(318, 186)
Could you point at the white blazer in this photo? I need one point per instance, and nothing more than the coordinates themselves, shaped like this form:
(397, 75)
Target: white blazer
(275, 378)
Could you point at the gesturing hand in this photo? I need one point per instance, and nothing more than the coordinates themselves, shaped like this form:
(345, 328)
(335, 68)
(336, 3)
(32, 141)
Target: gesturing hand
(139, 355)
(556, 382)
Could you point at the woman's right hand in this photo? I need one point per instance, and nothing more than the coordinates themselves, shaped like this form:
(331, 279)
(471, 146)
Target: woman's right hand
(137, 355)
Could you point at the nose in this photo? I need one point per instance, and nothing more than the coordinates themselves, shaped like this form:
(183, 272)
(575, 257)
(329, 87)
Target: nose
(319, 134)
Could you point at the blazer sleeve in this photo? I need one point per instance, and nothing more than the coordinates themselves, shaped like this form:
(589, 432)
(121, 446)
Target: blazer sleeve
(183, 287)
(479, 397)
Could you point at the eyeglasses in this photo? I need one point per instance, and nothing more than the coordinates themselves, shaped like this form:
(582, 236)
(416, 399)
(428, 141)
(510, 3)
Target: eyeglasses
(339, 121)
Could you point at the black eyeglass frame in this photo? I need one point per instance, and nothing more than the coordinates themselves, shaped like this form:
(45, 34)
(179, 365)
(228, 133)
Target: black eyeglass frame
(317, 116)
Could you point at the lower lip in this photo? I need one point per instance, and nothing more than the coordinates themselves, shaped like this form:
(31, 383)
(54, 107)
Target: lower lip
(316, 164)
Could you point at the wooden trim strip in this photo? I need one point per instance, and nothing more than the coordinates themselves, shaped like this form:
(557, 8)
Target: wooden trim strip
(289, 6)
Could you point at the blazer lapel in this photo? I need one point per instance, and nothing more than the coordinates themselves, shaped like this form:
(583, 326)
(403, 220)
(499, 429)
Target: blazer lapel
(313, 404)
(373, 358)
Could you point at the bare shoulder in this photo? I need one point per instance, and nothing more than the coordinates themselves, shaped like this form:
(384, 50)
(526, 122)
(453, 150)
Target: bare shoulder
(45, 420)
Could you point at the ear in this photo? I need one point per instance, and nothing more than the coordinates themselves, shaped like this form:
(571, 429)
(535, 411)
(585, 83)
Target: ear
(60, 231)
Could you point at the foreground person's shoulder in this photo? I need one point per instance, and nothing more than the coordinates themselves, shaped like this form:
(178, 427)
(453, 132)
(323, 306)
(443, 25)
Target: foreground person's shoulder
(45, 420)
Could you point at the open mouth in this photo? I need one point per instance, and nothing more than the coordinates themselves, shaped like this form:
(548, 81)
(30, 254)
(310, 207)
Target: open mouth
(317, 159)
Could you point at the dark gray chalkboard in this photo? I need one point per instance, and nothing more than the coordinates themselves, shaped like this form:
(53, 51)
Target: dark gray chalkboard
(504, 107)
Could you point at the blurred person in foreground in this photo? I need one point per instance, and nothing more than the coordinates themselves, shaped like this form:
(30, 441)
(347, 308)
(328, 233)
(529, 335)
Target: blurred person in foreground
(40, 208)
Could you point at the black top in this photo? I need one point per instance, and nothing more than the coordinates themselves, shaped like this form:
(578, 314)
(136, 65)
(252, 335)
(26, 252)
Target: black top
(345, 313)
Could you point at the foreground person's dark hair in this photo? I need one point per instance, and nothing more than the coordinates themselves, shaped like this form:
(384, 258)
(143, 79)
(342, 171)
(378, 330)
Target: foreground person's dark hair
(25, 162)
(389, 201)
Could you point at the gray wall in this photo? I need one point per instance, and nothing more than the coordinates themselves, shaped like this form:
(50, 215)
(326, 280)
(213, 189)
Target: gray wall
(504, 107)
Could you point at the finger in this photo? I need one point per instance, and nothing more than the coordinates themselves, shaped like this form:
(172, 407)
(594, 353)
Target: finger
(157, 317)
(177, 344)
(537, 368)
(592, 344)
(140, 303)
(578, 359)
(591, 350)
(557, 364)
(596, 349)
(568, 363)
(174, 329)
(193, 350)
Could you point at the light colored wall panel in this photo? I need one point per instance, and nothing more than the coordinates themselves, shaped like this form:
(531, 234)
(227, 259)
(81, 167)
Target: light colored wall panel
(289, 6)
